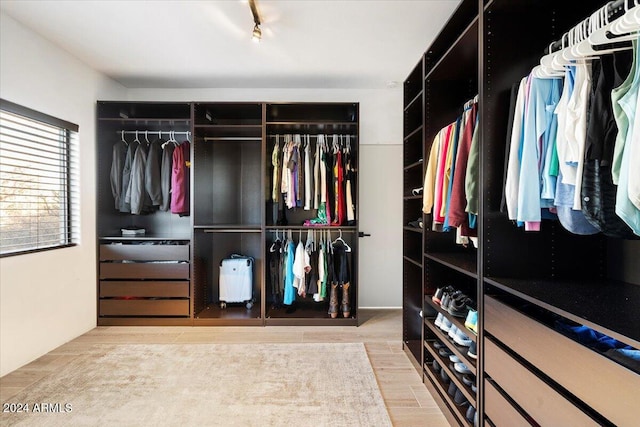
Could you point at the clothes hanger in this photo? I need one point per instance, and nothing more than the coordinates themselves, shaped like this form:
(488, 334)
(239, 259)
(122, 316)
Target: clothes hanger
(341, 241)
(146, 136)
(602, 33)
(122, 137)
(273, 245)
(136, 138)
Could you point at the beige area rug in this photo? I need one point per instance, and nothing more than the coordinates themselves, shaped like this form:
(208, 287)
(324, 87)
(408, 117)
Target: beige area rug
(209, 385)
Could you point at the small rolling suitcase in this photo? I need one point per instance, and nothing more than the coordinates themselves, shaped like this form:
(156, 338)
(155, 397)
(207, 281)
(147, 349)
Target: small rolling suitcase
(236, 281)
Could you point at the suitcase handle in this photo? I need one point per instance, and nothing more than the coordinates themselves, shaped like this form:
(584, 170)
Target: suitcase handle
(249, 259)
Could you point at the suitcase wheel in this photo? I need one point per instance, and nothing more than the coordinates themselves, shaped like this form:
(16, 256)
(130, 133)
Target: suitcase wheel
(249, 305)
(223, 305)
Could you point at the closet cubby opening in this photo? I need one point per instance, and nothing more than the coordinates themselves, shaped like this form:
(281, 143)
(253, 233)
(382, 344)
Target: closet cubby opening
(412, 302)
(141, 111)
(301, 113)
(211, 246)
(225, 116)
(413, 86)
(227, 182)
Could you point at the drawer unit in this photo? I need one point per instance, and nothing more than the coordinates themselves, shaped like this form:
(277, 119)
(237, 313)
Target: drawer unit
(118, 252)
(152, 289)
(499, 410)
(144, 307)
(602, 384)
(144, 270)
(539, 400)
(144, 279)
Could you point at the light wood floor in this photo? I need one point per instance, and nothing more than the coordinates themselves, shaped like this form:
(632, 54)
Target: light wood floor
(407, 399)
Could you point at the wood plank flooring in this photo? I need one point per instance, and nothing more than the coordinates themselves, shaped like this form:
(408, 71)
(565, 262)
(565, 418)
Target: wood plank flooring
(407, 399)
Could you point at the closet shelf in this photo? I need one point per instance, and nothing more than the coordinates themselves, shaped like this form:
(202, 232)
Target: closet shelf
(413, 132)
(419, 197)
(463, 262)
(412, 261)
(412, 229)
(347, 228)
(410, 104)
(458, 350)
(608, 306)
(462, 56)
(458, 321)
(454, 375)
(414, 165)
(150, 120)
(147, 237)
(442, 388)
(238, 228)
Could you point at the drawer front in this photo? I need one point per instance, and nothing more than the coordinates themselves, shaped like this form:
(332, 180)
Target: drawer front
(144, 307)
(570, 364)
(144, 270)
(144, 289)
(499, 410)
(539, 400)
(144, 252)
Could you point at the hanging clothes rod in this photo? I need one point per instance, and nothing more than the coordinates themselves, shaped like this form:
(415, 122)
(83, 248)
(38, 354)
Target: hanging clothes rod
(232, 138)
(152, 132)
(312, 135)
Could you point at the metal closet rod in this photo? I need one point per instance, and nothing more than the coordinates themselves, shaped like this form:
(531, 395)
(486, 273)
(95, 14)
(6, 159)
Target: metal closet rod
(158, 132)
(312, 135)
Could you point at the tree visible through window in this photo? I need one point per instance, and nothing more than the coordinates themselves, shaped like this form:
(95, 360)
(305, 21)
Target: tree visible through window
(38, 181)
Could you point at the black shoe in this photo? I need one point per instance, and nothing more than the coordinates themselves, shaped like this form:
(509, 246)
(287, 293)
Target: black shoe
(460, 307)
(416, 224)
(469, 379)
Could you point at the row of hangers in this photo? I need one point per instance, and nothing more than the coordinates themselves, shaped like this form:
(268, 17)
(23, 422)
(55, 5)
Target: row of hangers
(170, 133)
(324, 236)
(338, 142)
(609, 29)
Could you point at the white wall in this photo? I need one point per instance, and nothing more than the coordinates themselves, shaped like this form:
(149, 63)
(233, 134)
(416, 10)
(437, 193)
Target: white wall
(380, 185)
(49, 298)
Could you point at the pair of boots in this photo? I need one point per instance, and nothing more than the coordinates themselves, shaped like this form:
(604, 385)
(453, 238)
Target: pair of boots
(333, 300)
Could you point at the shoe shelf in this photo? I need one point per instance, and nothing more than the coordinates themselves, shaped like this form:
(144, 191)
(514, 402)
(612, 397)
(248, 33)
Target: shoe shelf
(463, 262)
(454, 375)
(607, 306)
(412, 229)
(457, 321)
(457, 410)
(458, 350)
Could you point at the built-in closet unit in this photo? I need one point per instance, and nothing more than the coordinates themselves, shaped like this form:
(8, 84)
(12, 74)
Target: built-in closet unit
(526, 283)
(337, 123)
(141, 279)
(227, 205)
(170, 275)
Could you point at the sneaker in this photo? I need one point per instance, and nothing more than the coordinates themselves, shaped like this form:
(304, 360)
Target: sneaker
(444, 376)
(472, 351)
(446, 324)
(452, 389)
(461, 367)
(453, 330)
(461, 339)
(459, 398)
(469, 380)
(435, 365)
(444, 352)
(438, 321)
(438, 344)
(471, 322)
(437, 296)
(453, 358)
(459, 307)
(471, 413)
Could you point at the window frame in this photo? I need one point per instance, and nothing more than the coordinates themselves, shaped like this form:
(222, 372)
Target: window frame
(68, 128)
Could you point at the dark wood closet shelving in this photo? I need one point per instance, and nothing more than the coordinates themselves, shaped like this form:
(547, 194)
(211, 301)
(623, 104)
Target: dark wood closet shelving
(452, 409)
(413, 261)
(414, 165)
(453, 375)
(463, 262)
(457, 321)
(484, 48)
(230, 163)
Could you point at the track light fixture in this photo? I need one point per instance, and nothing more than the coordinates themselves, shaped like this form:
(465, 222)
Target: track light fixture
(257, 32)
